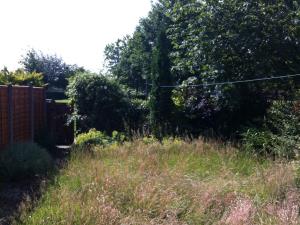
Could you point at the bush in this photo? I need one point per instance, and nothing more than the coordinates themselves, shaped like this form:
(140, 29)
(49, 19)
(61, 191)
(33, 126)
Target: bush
(280, 133)
(24, 160)
(257, 141)
(94, 137)
(20, 77)
(99, 102)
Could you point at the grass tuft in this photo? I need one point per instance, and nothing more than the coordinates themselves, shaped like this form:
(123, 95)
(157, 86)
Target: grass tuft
(175, 182)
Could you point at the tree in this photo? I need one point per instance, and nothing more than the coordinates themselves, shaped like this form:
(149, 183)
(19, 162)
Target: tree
(212, 41)
(219, 41)
(128, 59)
(55, 71)
(160, 98)
(113, 55)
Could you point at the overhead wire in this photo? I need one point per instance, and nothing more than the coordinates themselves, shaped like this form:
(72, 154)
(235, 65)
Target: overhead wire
(231, 82)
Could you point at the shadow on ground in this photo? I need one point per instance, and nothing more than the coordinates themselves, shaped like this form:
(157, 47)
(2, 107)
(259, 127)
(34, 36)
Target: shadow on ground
(13, 194)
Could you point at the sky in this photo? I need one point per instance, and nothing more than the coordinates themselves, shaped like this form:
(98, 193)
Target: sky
(76, 30)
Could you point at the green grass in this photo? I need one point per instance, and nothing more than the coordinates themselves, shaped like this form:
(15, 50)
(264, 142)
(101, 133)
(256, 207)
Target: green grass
(170, 183)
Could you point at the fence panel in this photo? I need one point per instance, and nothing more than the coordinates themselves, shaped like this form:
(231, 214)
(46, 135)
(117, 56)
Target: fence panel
(4, 130)
(39, 102)
(22, 113)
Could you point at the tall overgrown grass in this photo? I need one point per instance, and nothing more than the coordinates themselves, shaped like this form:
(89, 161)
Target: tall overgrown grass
(174, 182)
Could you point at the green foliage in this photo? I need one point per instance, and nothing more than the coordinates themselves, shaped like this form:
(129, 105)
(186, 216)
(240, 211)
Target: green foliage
(138, 112)
(99, 102)
(24, 160)
(219, 41)
(198, 109)
(55, 71)
(94, 137)
(20, 77)
(280, 135)
(283, 120)
(258, 141)
(149, 140)
(129, 59)
(160, 101)
(227, 36)
(212, 41)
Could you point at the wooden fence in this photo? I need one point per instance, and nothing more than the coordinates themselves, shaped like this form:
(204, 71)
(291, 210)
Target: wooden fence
(22, 113)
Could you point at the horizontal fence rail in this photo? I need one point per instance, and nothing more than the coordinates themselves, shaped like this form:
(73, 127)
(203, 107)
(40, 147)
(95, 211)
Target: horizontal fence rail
(22, 113)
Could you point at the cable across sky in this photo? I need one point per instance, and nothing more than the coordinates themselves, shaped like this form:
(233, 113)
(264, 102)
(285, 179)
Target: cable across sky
(231, 82)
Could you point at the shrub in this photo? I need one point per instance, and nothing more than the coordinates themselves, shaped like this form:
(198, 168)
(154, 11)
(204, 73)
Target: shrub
(149, 140)
(137, 120)
(24, 160)
(99, 102)
(257, 141)
(20, 77)
(94, 137)
(118, 137)
(280, 133)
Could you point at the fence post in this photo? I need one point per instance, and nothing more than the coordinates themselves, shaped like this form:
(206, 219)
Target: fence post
(45, 126)
(10, 114)
(31, 105)
(1, 128)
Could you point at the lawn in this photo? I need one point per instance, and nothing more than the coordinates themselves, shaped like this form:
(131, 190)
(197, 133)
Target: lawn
(175, 182)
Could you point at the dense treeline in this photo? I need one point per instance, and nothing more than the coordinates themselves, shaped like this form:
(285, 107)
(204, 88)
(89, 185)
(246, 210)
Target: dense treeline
(165, 78)
(190, 42)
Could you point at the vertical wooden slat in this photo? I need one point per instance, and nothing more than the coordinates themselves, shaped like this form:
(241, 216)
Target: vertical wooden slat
(4, 132)
(1, 120)
(22, 113)
(10, 115)
(31, 112)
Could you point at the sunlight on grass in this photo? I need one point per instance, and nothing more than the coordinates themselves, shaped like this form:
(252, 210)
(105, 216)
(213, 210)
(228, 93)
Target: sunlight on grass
(173, 183)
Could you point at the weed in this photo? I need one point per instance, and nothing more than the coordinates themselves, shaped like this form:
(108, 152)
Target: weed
(168, 182)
